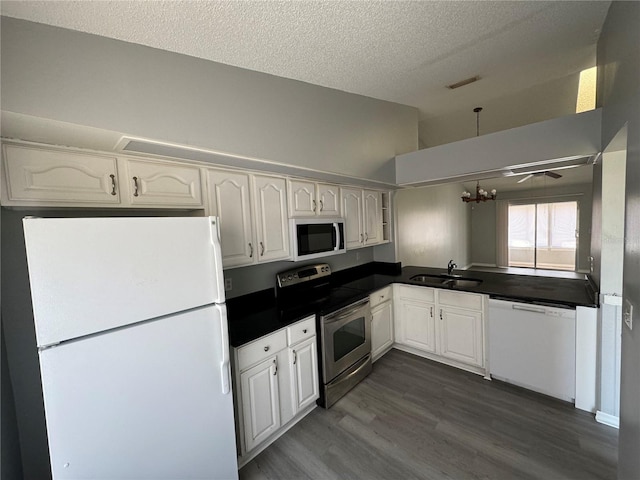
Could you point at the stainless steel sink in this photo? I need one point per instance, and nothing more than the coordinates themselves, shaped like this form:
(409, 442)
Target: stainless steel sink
(446, 280)
(462, 282)
(432, 279)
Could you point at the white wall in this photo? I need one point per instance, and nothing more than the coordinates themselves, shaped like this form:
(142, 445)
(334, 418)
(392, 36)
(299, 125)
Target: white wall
(619, 95)
(62, 75)
(434, 225)
(552, 99)
(558, 138)
(612, 245)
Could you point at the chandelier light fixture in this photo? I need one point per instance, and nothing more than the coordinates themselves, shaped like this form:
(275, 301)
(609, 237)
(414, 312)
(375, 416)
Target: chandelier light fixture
(481, 194)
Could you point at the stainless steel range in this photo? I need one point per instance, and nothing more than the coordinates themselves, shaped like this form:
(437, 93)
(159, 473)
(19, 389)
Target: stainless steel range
(344, 326)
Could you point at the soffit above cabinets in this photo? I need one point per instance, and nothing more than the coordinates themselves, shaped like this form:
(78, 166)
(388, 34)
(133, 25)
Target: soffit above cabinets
(27, 128)
(552, 144)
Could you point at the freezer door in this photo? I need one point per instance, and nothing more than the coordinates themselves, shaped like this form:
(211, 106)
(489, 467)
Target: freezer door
(88, 275)
(143, 402)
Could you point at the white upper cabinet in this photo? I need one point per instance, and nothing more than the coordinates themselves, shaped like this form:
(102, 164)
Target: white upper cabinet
(352, 212)
(362, 211)
(328, 200)
(372, 202)
(309, 199)
(163, 184)
(229, 200)
(253, 216)
(55, 177)
(272, 225)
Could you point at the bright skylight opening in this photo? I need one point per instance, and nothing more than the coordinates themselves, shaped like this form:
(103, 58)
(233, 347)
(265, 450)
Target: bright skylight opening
(587, 90)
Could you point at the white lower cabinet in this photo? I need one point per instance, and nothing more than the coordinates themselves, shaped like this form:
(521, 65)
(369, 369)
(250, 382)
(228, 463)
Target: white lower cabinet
(304, 359)
(381, 322)
(260, 402)
(276, 384)
(461, 335)
(444, 325)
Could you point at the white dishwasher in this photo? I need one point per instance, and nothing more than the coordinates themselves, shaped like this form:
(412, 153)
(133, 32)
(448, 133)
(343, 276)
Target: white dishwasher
(533, 346)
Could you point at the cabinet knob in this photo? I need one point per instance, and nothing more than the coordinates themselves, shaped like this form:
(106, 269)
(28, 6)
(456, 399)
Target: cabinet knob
(266, 349)
(304, 330)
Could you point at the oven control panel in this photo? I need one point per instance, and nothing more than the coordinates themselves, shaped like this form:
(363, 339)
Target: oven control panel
(303, 274)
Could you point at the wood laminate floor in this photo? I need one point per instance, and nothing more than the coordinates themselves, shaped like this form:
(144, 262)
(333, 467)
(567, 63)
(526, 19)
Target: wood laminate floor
(417, 419)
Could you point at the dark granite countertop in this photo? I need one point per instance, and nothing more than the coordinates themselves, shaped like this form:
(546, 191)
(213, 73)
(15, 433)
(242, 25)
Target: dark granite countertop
(257, 314)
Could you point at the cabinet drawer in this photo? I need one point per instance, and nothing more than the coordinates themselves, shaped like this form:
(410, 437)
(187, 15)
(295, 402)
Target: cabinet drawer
(301, 330)
(379, 296)
(425, 294)
(260, 349)
(471, 301)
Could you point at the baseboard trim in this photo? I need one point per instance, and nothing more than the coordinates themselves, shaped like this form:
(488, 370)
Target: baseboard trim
(607, 419)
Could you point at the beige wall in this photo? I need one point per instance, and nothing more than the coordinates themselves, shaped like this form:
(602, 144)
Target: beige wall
(541, 102)
(68, 76)
(433, 226)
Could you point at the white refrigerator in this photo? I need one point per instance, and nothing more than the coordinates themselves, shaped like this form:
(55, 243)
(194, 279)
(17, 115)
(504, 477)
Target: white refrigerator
(132, 337)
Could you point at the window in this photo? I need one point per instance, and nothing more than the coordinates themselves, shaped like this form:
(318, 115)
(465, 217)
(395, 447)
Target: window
(543, 235)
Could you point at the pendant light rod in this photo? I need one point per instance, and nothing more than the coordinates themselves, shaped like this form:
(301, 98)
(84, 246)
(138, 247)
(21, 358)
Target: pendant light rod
(477, 110)
(481, 194)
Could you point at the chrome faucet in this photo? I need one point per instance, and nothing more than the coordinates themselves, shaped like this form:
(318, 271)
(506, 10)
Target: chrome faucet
(451, 266)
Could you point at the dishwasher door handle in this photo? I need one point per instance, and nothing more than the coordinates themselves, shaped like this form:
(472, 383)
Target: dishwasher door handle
(528, 308)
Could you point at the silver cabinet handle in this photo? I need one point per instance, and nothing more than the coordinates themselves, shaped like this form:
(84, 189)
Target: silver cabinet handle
(251, 250)
(366, 236)
(361, 238)
(113, 184)
(321, 205)
(431, 313)
(135, 186)
(266, 349)
(295, 357)
(314, 205)
(261, 249)
(440, 314)
(275, 363)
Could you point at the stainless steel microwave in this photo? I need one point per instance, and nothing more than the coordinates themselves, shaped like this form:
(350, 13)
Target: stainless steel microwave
(316, 237)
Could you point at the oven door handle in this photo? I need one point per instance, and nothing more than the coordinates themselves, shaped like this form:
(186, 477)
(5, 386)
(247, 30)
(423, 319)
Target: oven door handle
(346, 312)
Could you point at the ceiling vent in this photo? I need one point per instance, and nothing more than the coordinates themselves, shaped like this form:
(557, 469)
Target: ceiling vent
(462, 83)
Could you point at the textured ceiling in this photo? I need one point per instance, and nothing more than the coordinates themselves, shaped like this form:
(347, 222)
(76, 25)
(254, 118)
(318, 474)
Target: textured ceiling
(401, 51)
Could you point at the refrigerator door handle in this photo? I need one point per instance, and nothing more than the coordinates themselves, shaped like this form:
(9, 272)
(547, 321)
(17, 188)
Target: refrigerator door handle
(225, 370)
(217, 259)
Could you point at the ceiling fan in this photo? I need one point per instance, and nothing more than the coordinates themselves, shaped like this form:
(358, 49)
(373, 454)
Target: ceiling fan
(547, 173)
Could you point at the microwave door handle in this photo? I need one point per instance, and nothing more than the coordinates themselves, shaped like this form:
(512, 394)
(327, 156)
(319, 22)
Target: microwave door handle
(337, 229)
